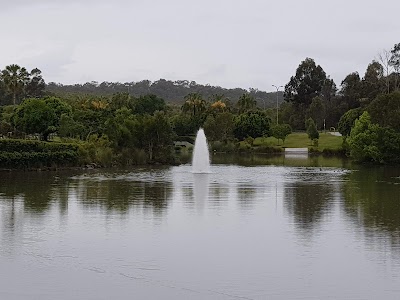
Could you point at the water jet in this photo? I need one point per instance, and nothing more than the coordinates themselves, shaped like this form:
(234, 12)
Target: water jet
(201, 155)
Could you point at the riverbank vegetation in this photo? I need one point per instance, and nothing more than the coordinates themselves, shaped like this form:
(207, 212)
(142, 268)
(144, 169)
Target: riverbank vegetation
(139, 123)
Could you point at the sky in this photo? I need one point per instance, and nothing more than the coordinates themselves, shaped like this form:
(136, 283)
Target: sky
(227, 43)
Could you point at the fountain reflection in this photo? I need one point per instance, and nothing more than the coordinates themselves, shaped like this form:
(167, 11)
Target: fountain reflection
(200, 190)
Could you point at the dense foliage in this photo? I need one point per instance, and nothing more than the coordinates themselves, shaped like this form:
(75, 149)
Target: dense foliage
(33, 154)
(281, 131)
(370, 142)
(138, 122)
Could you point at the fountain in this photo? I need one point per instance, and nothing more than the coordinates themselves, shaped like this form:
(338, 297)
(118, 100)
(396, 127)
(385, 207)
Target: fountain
(201, 156)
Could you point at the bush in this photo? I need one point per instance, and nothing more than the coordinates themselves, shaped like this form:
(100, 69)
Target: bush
(218, 146)
(11, 145)
(267, 149)
(38, 159)
(36, 154)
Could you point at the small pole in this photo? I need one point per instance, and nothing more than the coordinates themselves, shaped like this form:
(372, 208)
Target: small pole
(277, 107)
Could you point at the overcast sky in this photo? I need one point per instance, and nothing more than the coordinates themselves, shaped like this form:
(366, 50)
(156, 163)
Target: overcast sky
(230, 43)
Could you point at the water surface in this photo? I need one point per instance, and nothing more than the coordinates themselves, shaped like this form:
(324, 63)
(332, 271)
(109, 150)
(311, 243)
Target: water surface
(255, 228)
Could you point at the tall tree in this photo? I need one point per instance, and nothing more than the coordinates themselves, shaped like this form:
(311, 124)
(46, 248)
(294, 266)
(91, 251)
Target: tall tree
(35, 85)
(395, 63)
(372, 83)
(15, 78)
(384, 59)
(317, 111)
(306, 84)
(385, 110)
(351, 90)
(194, 103)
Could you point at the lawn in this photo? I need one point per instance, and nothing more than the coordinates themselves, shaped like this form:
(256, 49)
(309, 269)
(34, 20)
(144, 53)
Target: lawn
(301, 140)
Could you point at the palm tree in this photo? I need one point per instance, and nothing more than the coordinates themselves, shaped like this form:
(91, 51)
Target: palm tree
(194, 103)
(15, 78)
(220, 103)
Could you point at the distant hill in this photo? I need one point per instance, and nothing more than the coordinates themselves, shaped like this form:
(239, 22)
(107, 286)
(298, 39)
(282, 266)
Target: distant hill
(170, 91)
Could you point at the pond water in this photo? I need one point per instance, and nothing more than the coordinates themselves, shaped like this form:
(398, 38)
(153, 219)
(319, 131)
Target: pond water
(255, 228)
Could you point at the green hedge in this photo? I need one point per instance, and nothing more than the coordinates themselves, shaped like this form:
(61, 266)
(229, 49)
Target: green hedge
(36, 154)
(10, 145)
(38, 159)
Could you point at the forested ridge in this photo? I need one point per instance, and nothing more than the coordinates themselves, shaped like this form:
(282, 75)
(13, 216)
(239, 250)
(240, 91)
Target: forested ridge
(171, 91)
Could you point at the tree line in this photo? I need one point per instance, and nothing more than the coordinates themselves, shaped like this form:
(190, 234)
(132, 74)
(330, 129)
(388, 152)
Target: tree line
(170, 91)
(133, 122)
(128, 130)
(365, 110)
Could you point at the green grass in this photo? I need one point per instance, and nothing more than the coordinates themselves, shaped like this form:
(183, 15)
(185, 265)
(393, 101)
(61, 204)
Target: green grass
(301, 140)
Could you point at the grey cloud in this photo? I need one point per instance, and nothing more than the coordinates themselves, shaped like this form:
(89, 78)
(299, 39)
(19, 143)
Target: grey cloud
(229, 43)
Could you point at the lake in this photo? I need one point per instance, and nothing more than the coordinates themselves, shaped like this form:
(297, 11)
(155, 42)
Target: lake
(257, 227)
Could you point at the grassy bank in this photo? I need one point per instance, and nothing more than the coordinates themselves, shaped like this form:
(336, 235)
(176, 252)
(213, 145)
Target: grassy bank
(300, 140)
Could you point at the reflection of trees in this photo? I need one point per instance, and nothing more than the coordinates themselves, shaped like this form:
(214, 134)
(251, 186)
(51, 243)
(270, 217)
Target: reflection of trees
(307, 203)
(245, 194)
(256, 159)
(156, 196)
(36, 188)
(23, 194)
(372, 199)
(219, 195)
(120, 195)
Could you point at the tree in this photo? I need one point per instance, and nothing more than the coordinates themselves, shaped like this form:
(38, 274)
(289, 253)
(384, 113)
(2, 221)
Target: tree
(149, 104)
(120, 100)
(92, 112)
(306, 84)
(281, 131)
(15, 78)
(317, 111)
(194, 104)
(183, 124)
(156, 137)
(369, 142)
(121, 128)
(35, 85)
(69, 127)
(219, 127)
(385, 110)
(372, 83)
(329, 89)
(219, 103)
(35, 116)
(346, 122)
(246, 102)
(384, 58)
(252, 124)
(38, 115)
(395, 63)
(363, 139)
(351, 90)
(312, 131)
